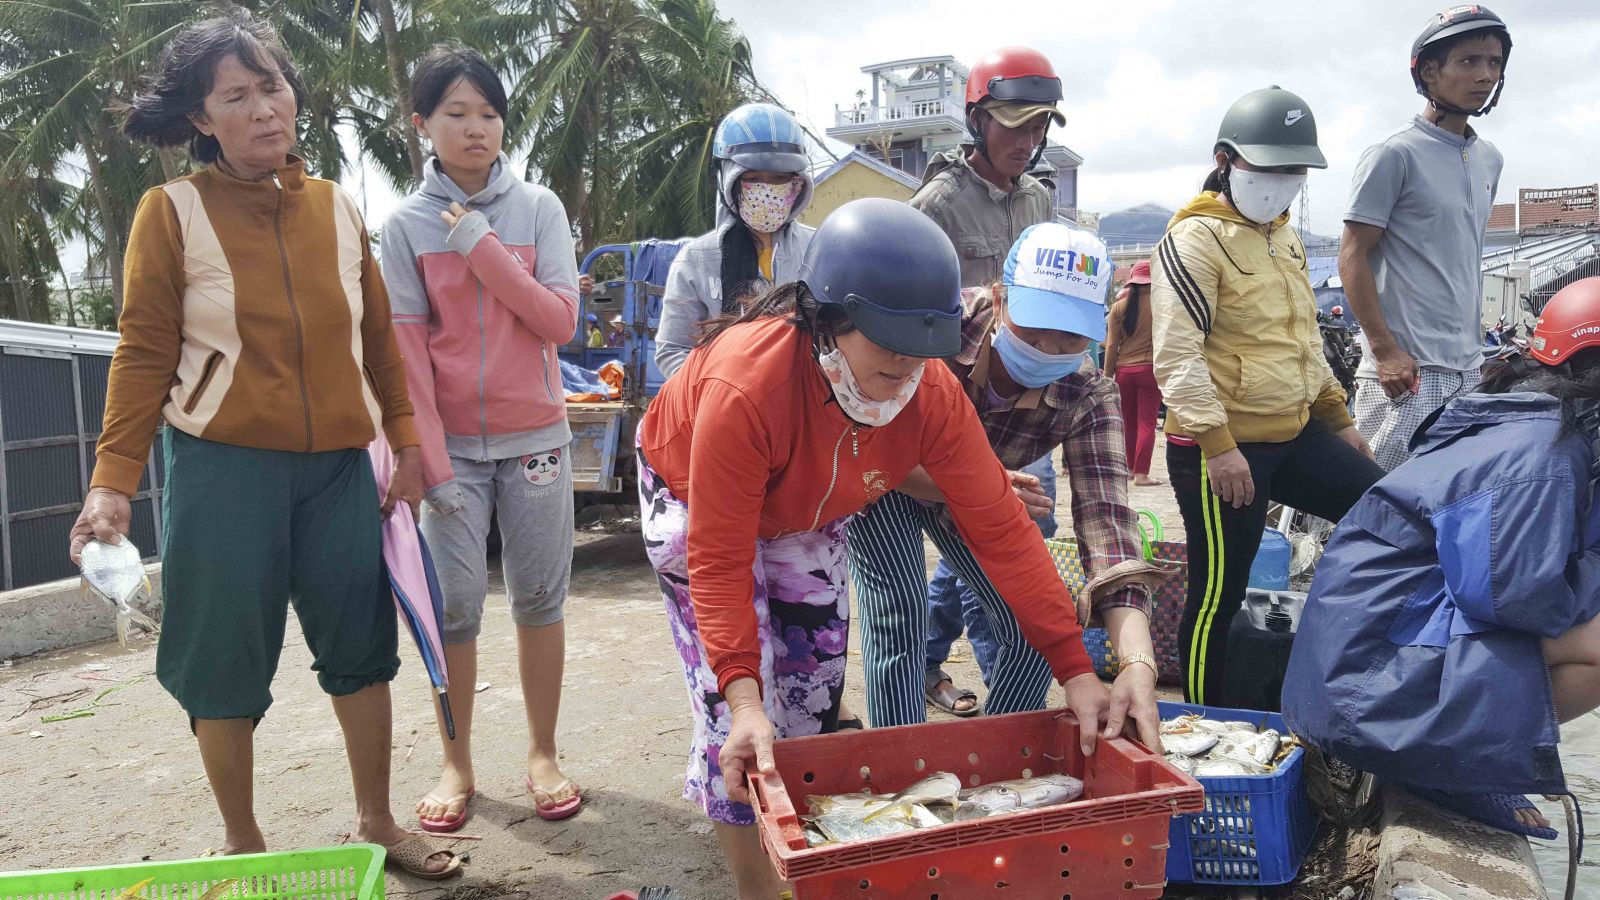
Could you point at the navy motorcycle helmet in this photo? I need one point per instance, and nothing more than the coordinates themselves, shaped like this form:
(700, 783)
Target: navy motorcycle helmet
(893, 272)
(1452, 23)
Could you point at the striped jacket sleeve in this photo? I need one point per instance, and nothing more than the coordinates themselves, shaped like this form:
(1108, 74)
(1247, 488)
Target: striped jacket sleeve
(1183, 281)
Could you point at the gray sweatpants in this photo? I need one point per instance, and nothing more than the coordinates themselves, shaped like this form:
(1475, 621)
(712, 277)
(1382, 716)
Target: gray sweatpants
(531, 498)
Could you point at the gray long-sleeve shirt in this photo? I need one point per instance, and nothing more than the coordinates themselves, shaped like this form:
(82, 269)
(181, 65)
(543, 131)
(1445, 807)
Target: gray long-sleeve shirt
(694, 285)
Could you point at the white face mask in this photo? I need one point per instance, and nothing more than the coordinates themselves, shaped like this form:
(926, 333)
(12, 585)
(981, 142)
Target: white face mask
(858, 405)
(765, 207)
(1262, 196)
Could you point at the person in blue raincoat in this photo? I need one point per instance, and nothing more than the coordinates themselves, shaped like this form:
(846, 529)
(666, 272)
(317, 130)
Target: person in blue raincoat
(1452, 625)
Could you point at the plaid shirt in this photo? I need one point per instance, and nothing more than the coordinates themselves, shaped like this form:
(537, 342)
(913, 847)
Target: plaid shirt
(1082, 414)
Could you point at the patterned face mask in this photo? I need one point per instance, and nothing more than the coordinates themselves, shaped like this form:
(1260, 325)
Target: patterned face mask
(855, 403)
(765, 207)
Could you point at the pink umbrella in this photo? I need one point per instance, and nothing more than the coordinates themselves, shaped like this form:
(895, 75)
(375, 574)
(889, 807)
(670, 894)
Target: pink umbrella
(414, 580)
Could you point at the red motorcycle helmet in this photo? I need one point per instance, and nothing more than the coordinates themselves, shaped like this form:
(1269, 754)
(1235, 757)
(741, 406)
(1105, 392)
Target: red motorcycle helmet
(1570, 322)
(1014, 75)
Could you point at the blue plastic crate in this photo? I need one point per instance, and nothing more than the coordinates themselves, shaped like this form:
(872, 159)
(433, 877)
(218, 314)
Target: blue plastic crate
(1255, 829)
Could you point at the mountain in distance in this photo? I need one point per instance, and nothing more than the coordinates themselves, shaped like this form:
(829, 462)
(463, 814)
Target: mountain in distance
(1142, 224)
(1147, 222)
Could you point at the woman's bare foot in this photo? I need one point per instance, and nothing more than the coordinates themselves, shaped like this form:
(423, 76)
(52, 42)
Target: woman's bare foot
(448, 799)
(1532, 818)
(251, 842)
(1145, 481)
(390, 833)
(551, 787)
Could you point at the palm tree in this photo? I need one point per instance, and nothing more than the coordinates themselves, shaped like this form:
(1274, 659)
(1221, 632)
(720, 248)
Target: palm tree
(572, 96)
(622, 105)
(65, 62)
(699, 69)
(615, 101)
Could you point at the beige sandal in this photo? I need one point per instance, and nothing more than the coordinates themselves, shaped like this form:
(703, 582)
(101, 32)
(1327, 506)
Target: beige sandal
(410, 855)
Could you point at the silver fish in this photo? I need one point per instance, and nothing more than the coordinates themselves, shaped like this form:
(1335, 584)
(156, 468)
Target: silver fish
(1226, 768)
(940, 787)
(1219, 728)
(1193, 743)
(1023, 793)
(1180, 724)
(860, 800)
(1183, 763)
(1259, 749)
(116, 573)
(862, 823)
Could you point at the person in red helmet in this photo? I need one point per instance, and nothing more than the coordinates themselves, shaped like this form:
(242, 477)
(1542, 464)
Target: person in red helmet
(980, 194)
(1455, 619)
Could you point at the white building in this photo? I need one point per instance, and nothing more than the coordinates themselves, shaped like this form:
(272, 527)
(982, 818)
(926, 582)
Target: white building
(916, 108)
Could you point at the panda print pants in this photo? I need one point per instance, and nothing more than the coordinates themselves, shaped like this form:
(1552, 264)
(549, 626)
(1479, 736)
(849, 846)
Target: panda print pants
(530, 497)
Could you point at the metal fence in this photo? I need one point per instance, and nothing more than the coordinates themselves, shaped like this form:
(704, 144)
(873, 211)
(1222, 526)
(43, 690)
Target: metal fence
(52, 399)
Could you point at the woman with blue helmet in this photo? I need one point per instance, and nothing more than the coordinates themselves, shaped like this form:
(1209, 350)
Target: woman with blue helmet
(789, 418)
(762, 187)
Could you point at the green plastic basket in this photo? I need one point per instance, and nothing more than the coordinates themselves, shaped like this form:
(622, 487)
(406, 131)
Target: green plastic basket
(348, 872)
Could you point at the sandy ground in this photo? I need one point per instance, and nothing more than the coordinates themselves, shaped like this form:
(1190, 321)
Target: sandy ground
(126, 783)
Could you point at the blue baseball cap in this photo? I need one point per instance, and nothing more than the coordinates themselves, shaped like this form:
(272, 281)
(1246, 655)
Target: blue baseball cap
(1056, 277)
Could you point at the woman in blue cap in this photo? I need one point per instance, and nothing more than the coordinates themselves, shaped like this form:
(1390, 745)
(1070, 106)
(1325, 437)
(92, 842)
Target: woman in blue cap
(786, 420)
(1021, 362)
(762, 187)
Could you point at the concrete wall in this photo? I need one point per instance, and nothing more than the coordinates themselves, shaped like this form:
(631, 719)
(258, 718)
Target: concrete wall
(54, 616)
(852, 182)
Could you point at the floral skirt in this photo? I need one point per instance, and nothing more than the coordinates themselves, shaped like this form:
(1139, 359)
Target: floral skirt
(798, 587)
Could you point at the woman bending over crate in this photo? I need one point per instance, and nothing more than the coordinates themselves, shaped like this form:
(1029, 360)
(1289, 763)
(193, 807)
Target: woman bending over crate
(1453, 622)
(785, 421)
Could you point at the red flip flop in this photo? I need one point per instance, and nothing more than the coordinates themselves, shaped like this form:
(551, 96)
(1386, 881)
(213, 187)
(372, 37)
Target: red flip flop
(446, 826)
(554, 812)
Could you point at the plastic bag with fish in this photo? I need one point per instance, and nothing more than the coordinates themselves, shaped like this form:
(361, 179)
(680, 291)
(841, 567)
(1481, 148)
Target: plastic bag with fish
(1023, 793)
(116, 573)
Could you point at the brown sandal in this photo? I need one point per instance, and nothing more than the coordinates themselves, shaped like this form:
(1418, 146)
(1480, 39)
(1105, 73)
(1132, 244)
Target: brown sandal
(943, 693)
(411, 853)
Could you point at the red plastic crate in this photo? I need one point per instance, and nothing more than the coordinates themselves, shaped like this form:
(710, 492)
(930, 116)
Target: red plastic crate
(1110, 843)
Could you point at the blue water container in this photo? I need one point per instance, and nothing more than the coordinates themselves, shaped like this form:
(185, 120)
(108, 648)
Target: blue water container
(1270, 569)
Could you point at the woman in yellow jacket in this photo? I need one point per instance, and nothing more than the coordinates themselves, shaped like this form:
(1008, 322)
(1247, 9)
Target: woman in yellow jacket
(1254, 413)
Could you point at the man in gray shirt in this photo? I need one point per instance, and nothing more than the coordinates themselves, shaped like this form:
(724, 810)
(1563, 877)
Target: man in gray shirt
(1412, 249)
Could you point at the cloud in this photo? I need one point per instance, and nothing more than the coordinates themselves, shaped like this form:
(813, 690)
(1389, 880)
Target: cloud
(1147, 82)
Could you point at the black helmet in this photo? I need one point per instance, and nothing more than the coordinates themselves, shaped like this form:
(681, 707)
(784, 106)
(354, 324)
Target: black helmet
(895, 274)
(1455, 21)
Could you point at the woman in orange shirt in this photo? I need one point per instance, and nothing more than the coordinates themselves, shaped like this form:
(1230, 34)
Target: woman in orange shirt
(785, 421)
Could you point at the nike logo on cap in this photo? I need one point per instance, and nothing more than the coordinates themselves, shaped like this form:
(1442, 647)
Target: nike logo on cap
(1293, 116)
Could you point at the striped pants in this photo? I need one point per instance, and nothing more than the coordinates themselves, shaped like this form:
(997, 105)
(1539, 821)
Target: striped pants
(891, 581)
(1315, 472)
(1389, 425)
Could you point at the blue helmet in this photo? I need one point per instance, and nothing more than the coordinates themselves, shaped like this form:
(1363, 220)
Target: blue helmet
(761, 137)
(893, 271)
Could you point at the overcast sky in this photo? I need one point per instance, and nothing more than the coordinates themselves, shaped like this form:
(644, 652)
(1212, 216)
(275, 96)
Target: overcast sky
(1146, 83)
